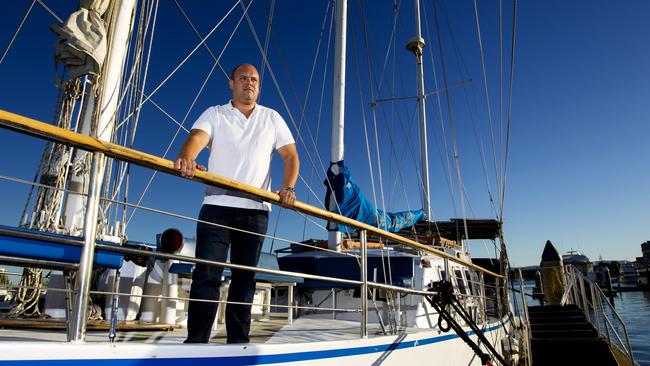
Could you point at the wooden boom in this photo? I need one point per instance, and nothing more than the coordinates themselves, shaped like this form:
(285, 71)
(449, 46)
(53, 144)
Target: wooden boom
(49, 132)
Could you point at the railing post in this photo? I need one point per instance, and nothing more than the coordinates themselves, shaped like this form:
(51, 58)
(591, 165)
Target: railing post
(363, 295)
(290, 303)
(594, 301)
(82, 286)
(585, 304)
(605, 322)
(483, 295)
(627, 341)
(525, 308)
(574, 281)
(523, 294)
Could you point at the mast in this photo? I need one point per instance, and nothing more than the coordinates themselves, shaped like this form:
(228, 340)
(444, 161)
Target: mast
(338, 110)
(120, 29)
(118, 36)
(415, 45)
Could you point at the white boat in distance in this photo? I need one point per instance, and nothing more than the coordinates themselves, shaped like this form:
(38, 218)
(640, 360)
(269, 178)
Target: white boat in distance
(362, 297)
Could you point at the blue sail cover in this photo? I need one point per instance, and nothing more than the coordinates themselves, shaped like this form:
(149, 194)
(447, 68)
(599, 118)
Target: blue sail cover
(353, 203)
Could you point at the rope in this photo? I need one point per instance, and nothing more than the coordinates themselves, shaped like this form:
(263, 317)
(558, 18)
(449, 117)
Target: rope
(27, 299)
(48, 202)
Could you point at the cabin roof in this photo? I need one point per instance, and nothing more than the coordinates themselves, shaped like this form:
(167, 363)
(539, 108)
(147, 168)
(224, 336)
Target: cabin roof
(453, 230)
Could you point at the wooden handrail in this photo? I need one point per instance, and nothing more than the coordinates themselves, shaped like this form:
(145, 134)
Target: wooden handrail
(47, 131)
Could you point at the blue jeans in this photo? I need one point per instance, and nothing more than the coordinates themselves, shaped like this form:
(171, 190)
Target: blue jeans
(212, 243)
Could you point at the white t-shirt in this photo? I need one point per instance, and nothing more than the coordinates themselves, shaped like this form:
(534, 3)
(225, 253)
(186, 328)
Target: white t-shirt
(241, 149)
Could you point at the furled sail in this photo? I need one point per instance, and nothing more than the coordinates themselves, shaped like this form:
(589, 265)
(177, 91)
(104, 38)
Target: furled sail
(353, 203)
(82, 39)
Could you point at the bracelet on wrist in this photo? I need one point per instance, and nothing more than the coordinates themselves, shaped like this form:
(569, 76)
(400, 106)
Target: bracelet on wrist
(289, 189)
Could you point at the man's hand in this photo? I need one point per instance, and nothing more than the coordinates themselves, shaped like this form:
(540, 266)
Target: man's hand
(185, 164)
(287, 197)
(188, 167)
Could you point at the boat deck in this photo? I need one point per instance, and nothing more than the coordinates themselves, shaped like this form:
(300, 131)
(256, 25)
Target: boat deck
(267, 331)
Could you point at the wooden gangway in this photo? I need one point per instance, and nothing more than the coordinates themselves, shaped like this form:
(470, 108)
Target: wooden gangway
(561, 335)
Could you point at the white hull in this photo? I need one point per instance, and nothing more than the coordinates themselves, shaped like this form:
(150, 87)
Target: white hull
(420, 348)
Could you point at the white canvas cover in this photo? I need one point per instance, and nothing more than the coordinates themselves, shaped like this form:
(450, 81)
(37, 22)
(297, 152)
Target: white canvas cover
(82, 39)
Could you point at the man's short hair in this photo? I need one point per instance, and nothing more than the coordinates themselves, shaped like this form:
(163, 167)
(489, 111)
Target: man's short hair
(232, 73)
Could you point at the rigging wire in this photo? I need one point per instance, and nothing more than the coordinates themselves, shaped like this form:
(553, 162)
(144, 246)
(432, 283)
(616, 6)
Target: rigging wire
(306, 99)
(259, 96)
(173, 72)
(320, 104)
(374, 114)
(487, 95)
(152, 16)
(374, 84)
(441, 118)
(196, 97)
(297, 127)
(391, 45)
(472, 109)
(13, 38)
(266, 48)
(300, 105)
(128, 93)
(500, 89)
(50, 11)
(148, 97)
(187, 18)
(313, 70)
(508, 122)
(365, 130)
(451, 121)
(408, 145)
(286, 106)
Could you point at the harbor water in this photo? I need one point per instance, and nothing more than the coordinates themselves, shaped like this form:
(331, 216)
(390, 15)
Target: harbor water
(634, 309)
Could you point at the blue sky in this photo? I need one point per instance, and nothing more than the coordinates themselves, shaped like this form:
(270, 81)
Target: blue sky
(577, 173)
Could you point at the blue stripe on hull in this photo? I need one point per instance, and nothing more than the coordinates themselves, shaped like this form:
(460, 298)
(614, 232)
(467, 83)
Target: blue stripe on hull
(241, 360)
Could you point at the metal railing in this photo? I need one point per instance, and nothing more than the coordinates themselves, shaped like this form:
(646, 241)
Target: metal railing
(599, 311)
(525, 319)
(102, 149)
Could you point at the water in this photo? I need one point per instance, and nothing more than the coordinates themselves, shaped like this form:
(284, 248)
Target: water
(634, 309)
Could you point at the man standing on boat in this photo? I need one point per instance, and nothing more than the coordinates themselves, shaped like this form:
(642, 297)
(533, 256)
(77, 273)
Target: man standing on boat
(242, 136)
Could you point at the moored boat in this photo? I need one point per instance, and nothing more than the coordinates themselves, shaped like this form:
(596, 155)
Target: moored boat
(417, 296)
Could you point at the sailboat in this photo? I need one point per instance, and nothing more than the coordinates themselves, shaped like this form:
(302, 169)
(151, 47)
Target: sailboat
(382, 289)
